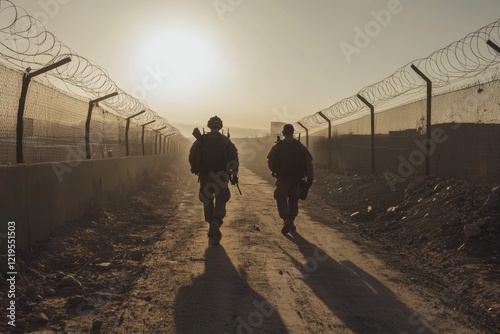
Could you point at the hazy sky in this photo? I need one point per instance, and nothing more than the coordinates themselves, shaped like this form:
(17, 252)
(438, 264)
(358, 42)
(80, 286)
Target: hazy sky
(253, 61)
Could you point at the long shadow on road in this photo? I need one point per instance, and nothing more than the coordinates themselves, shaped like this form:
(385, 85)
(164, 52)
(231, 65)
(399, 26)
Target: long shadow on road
(221, 301)
(359, 300)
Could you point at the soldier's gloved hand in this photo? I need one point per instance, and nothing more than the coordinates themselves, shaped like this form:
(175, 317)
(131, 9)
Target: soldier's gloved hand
(234, 179)
(309, 181)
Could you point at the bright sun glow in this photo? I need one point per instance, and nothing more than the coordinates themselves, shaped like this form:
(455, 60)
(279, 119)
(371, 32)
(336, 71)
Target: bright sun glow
(189, 59)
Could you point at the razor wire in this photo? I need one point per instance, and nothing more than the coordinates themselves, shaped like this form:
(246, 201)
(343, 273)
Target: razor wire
(460, 60)
(26, 45)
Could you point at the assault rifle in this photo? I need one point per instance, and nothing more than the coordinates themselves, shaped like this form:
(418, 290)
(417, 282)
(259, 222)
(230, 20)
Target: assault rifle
(197, 134)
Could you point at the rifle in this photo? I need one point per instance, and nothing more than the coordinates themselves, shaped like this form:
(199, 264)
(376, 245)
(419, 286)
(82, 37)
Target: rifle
(197, 134)
(238, 186)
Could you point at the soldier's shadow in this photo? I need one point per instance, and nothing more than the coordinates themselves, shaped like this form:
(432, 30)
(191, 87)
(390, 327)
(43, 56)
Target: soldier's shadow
(221, 301)
(359, 300)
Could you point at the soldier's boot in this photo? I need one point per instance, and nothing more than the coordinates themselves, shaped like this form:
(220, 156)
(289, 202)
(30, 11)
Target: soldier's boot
(287, 225)
(210, 234)
(214, 232)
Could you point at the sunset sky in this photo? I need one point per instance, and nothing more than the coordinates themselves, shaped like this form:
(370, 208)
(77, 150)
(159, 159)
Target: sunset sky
(253, 61)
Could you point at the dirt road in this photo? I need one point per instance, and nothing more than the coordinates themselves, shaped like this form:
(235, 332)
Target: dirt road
(258, 281)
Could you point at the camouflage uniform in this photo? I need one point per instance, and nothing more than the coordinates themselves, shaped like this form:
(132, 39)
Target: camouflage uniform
(214, 184)
(288, 188)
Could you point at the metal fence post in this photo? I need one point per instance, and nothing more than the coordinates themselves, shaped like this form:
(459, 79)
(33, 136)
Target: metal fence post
(429, 117)
(158, 134)
(493, 45)
(142, 136)
(22, 104)
(93, 103)
(156, 143)
(329, 138)
(127, 127)
(168, 143)
(159, 150)
(307, 134)
(372, 117)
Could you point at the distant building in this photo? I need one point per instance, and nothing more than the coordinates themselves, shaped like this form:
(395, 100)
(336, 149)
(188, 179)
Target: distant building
(276, 128)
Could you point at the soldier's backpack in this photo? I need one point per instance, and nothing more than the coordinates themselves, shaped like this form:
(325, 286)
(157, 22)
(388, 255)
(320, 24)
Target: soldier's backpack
(212, 153)
(289, 160)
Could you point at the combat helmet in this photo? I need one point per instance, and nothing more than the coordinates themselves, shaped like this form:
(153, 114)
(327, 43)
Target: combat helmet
(215, 123)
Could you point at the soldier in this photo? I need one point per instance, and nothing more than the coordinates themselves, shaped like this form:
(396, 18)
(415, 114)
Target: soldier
(214, 158)
(290, 161)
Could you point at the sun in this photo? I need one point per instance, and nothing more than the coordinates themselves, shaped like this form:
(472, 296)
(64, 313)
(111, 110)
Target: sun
(189, 58)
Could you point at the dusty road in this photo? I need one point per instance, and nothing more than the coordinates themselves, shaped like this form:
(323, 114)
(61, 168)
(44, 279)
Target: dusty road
(258, 281)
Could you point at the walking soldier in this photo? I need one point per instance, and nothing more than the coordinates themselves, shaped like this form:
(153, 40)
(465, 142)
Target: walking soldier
(214, 158)
(290, 161)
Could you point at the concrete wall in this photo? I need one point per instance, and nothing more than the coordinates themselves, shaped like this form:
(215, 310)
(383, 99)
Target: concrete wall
(476, 104)
(464, 151)
(41, 197)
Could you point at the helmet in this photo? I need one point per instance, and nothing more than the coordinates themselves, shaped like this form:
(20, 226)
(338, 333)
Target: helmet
(215, 123)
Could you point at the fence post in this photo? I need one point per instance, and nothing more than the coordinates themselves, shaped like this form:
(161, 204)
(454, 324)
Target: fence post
(93, 103)
(127, 128)
(158, 134)
(156, 143)
(142, 136)
(329, 138)
(22, 104)
(159, 150)
(372, 116)
(493, 45)
(429, 115)
(307, 134)
(169, 142)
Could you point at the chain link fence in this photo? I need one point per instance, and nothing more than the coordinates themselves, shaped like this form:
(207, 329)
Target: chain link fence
(466, 123)
(42, 123)
(438, 115)
(54, 126)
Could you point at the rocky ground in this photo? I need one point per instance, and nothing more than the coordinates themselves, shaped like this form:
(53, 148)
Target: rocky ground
(444, 233)
(89, 262)
(103, 274)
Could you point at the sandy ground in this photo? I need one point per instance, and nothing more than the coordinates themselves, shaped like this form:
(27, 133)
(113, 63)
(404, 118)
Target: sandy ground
(161, 275)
